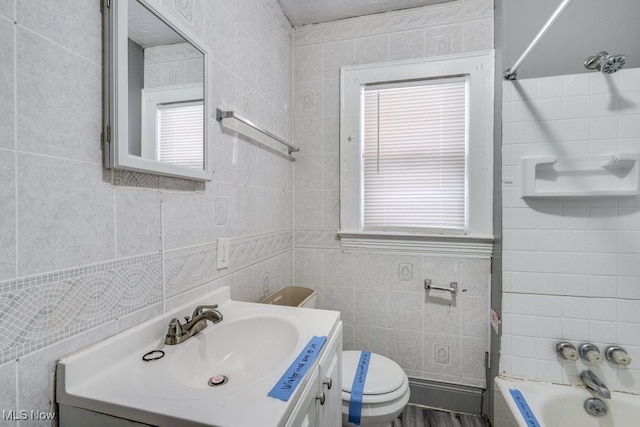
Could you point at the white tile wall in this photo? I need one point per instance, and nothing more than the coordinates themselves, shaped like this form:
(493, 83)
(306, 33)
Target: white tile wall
(8, 214)
(78, 241)
(570, 266)
(7, 125)
(383, 311)
(172, 65)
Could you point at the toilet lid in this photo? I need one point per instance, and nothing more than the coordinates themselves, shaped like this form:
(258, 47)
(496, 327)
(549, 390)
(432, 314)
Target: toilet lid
(383, 376)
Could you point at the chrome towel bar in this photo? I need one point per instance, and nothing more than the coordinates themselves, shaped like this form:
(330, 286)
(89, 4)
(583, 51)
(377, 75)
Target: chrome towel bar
(221, 115)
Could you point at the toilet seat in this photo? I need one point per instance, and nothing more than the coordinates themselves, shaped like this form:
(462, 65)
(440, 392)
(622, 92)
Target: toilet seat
(385, 382)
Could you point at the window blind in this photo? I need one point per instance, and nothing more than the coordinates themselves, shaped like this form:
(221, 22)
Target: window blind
(181, 134)
(414, 158)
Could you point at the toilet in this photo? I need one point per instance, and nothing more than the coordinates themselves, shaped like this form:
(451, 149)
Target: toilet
(385, 394)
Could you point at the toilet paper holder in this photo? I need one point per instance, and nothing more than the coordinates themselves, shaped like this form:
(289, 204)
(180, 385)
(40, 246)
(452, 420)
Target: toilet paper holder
(453, 287)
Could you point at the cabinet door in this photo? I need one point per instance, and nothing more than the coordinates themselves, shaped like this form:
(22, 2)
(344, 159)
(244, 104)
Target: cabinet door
(331, 411)
(305, 414)
(331, 384)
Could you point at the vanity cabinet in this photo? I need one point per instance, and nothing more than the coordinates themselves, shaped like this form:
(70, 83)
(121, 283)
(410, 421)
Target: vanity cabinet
(305, 414)
(320, 404)
(330, 383)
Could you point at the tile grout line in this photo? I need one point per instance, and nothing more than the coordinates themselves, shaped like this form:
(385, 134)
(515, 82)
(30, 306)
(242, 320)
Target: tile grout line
(15, 138)
(17, 408)
(115, 223)
(69, 50)
(163, 278)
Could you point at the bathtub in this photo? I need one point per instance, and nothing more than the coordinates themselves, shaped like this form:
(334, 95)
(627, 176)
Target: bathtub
(555, 405)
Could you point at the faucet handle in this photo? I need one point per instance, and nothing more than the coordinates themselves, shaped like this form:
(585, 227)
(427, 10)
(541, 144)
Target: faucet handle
(590, 352)
(175, 330)
(199, 309)
(567, 351)
(617, 355)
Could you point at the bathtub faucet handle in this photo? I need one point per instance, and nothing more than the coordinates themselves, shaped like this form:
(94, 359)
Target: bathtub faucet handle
(591, 353)
(567, 351)
(617, 355)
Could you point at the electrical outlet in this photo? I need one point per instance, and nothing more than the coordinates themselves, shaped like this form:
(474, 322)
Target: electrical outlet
(223, 252)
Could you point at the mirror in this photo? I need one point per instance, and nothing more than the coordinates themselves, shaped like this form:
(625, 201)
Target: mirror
(156, 116)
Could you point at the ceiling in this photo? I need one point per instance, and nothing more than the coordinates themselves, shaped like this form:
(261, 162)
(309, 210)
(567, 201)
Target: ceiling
(302, 12)
(147, 30)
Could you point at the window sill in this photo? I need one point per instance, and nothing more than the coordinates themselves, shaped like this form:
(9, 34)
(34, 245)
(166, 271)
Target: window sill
(437, 245)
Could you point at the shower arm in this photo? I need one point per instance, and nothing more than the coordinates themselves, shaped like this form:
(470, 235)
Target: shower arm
(511, 73)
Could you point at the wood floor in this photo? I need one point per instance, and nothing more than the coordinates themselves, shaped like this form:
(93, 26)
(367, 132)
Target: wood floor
(416, 416)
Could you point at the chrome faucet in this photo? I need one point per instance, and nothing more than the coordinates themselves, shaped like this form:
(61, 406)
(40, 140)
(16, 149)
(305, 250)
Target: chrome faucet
(180, 332)
(592, 381)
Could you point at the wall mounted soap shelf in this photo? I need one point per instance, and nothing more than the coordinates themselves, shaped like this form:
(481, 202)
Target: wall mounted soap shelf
(587, 177)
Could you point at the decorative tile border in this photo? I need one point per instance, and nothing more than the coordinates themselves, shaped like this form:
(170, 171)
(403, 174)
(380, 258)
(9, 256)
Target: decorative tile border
(189, 268)
(326, 238)
(124, 178)
(186, 269)
(134, 179)
(250, 250)
(428, 16)
(41, 310)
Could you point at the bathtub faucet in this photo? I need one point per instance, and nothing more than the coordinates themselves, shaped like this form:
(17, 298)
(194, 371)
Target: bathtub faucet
(592, 381)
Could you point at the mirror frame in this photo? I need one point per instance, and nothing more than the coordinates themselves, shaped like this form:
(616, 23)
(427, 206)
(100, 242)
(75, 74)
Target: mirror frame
(115, 139)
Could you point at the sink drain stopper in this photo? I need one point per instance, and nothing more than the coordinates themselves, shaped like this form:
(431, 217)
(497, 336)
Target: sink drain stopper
(218, 380)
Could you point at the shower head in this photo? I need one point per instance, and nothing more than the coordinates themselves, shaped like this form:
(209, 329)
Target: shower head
(607, 64)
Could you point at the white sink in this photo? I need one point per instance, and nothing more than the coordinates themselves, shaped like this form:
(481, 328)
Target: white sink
(253, 346)
(244, 351)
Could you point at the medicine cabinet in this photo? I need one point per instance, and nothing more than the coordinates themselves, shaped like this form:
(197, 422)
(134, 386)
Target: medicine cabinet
(155, 87)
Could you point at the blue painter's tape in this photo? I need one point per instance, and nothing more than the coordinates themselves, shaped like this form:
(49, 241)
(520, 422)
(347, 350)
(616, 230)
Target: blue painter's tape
(357, 389)
(285, 387)
(523, 406)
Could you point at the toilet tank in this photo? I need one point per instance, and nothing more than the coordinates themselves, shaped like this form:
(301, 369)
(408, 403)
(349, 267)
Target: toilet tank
(293, 296)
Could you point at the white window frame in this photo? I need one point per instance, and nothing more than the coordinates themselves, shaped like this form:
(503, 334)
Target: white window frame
(477, 239)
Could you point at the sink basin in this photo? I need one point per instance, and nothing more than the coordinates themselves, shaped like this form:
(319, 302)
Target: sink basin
(243, 350)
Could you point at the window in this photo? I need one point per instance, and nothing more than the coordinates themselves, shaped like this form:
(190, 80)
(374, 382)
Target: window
(173, 125)
(416, 154)
(180, 130)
